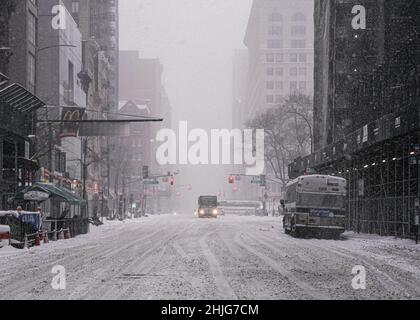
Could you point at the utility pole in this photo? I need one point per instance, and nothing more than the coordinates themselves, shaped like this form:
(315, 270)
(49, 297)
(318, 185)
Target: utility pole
(50, 146)
(84, 174)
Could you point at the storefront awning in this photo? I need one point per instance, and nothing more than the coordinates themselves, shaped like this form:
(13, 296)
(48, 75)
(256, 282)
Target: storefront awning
(3, 80)
(52, 191)
(20, 99)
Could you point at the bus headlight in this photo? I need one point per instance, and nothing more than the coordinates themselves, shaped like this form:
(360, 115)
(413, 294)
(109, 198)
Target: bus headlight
(202, 211)
(215, 211)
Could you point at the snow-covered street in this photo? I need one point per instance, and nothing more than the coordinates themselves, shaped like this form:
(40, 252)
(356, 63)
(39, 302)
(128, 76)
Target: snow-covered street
(182, 257)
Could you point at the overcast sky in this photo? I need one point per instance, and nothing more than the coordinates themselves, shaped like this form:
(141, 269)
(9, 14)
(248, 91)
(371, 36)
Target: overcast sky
(195, 40)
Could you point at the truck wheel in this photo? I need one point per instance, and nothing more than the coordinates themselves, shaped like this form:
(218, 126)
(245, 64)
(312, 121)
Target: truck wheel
(295, 232)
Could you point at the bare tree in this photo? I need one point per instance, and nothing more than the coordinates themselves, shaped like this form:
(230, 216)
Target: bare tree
(288, 132)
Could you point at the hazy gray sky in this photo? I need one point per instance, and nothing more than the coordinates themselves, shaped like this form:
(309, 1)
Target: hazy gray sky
(195, 40)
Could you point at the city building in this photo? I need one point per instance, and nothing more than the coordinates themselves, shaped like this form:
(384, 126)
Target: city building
(98, 24)
(23, 44)
(242, 189)
(280, 39)
(18, 104)
(141, 80)
(6, 9)
(133, 151)
(239, 88)
(59, 62)
(280, 42)
(366, 111)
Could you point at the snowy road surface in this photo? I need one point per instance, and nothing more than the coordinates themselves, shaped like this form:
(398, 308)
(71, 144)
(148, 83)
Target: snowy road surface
(181, 257)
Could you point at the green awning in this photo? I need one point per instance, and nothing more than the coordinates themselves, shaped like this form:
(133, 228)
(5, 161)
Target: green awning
(53, 191)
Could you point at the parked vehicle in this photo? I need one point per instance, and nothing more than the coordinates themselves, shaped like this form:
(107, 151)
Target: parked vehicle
(315, 205)
(208, 207)
(5, 236)
(240, 207)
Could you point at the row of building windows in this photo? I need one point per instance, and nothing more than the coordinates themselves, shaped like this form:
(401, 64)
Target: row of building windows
(278, 44)
(277, 17)
(271, 72)
(279, 57)
(278, 85)
(298, 30)
(278, 98)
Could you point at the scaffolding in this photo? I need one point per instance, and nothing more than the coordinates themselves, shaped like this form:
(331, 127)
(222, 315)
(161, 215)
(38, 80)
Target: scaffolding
(383, 180)
(383, 186)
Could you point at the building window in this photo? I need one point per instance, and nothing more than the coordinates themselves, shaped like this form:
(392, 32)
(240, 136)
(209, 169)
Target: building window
(279, 57)
(75, 6)
(270, 98)
(293, 72)
(275, 17)
(293, 57)
(293, 85)
(31, 72)
(302, 57)
(298, 44)
(279, 98)
(275, 31)
(270, 72)
(302, 71)
(32, 28)
(302, 85)
(279, 72)
(279, 85)
(298, 17)
(274, 44)
(270, 85)
(270, 57)
(298, 30)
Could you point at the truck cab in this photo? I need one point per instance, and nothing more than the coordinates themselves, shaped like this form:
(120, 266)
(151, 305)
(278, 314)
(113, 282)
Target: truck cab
(208, 207)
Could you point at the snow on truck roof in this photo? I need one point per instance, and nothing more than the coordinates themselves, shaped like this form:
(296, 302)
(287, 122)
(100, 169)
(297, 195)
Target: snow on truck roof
(317, 178)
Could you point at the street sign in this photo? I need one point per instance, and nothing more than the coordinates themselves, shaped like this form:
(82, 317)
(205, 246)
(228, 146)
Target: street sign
(36, 196)
(260, 182)
(151, 182)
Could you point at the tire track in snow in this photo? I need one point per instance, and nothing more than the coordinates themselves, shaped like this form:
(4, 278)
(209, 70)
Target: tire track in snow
(149, 261)
(109, 287)
(307, 288)
(387, 281)
(21, 288)
(110, 268)
(224, 290)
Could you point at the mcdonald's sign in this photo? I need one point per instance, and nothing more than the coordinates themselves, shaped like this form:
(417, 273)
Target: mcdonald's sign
(71, 114)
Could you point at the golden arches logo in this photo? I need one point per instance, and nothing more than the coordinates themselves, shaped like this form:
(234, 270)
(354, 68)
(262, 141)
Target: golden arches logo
(72, 115)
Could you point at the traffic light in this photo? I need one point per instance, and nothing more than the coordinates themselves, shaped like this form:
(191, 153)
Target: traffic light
(231, 179)
(172, 180)
(145, 172)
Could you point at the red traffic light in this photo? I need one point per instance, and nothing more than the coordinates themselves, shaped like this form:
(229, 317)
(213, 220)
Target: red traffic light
(172, 180)
(231, 179)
